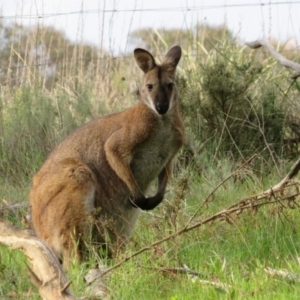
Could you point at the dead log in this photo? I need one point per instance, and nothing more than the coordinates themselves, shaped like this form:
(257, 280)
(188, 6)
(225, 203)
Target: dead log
(46, 271)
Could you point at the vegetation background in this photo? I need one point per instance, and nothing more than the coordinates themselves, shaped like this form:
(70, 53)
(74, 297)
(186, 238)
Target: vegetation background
(236, 102)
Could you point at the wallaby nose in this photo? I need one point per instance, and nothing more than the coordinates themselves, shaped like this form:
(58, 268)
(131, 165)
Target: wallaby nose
(162, 107)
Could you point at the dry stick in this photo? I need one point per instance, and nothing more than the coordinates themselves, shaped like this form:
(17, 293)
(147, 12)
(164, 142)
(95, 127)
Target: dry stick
(267, 194)
(280, 58)
(236, 208)
(292, 173)
(227, 178)
(279, 186)
(217, 187)
(184, 270)
(224, 214)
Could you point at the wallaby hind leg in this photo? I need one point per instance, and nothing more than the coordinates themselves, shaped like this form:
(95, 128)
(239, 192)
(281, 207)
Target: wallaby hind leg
(61, 199)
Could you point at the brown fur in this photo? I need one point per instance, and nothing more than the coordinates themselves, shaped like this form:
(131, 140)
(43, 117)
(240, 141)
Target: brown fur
(109, 163)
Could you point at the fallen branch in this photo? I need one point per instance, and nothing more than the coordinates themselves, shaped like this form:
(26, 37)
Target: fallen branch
(216, 284)
(48, 276)
(274, 195)
(290, 175)
(280, 58)
(212, 193)
(224, 215)
(46, 271)
(176, 270)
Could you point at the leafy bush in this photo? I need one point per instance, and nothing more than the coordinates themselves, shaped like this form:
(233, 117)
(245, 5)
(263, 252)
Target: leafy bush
(229, 108)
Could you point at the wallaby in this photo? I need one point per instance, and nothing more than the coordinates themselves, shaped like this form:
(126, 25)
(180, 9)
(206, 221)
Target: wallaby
(108, 164)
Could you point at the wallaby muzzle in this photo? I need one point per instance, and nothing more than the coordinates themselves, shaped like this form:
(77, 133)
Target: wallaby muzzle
(161, 102)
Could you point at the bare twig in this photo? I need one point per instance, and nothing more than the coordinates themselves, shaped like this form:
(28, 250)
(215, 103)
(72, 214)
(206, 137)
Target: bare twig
(208, 198)
(224, 214)
(176, 270)
(217, 284)
(49, 277)
(291, 277)
(271, 196)
(291, 174)
(280, 58)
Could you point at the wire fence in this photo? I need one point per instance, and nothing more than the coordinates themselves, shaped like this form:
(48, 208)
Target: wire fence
(155, 10)
(45, 62)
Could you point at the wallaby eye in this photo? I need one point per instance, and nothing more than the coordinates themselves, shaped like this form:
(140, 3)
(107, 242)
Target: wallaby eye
(150, 87)
(170, 86)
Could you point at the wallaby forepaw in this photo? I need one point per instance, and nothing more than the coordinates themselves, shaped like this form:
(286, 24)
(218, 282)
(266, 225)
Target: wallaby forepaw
(138, 202)
(146, 203)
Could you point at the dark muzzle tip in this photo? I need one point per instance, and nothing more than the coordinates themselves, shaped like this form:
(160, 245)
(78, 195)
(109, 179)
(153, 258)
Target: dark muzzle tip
(162, 109)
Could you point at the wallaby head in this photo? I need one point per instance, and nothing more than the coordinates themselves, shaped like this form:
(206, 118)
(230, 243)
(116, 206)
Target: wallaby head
(104, 168)
(158, 90)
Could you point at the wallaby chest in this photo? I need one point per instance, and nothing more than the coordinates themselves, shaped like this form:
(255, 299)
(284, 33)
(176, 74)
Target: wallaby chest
(152, 155)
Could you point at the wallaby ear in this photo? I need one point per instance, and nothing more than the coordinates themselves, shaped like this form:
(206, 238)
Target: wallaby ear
(173, 56)
(144, 59)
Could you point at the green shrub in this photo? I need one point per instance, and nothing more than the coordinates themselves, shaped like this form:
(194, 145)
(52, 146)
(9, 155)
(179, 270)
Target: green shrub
(230, 108)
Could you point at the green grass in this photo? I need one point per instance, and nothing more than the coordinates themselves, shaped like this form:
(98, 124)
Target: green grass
(34, 118)
(235, 255)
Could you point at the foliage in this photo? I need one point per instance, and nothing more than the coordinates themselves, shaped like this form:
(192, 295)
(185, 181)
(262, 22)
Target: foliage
(233, 105)
(234, 102)
(191, 40)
